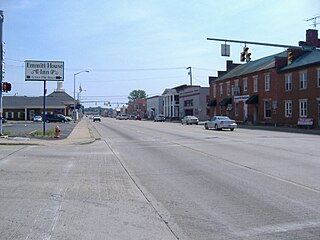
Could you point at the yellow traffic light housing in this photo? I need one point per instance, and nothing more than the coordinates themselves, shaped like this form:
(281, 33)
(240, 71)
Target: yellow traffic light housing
(290, 57)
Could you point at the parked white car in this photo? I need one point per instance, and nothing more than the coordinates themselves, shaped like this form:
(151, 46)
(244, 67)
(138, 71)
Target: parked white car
(160, 118)
(220, 122)
(190, 120)
(37, 119)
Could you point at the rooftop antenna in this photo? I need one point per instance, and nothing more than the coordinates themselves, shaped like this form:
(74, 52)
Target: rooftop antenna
(314, 19)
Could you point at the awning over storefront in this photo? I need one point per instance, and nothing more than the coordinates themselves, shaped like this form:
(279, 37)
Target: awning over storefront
(212, 103)
(254, 99)
(225, 102)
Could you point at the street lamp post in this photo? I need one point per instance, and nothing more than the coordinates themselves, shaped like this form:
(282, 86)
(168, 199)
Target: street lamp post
(74, 93)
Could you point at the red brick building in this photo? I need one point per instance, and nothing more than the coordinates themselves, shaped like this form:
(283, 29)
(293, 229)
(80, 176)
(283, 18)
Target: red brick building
(137, 107)
(271, 90)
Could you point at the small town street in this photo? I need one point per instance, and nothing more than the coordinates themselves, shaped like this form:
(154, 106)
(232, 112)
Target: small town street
(154, 180)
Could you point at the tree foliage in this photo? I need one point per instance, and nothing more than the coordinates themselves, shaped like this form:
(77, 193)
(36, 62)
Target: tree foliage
(136, 94)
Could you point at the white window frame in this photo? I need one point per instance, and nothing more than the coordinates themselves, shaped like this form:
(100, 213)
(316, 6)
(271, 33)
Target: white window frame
(269, 109)
(221, 88)
(303, 80)
(255, 84)
(267, 82)
(245, 85)
(288, 108)
(303, 108)
(288, 82)
(228, 88)
(214, 90)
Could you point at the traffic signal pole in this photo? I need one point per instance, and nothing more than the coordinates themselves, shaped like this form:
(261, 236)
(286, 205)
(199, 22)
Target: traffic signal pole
(255, 43)
(1, 73)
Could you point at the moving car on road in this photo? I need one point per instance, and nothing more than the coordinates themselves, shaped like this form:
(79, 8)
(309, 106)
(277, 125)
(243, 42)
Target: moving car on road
(220, 122)
(96, 118)
(190, 120)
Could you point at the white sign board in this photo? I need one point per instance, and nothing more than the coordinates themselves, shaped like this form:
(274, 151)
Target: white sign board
(44, 70)
(225, 50)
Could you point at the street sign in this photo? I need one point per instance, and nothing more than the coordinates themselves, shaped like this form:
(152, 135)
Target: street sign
(225, 50)
(44, 70)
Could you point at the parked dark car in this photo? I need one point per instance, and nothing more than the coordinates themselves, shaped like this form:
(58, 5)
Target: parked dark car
(55, 118)
(4, 120)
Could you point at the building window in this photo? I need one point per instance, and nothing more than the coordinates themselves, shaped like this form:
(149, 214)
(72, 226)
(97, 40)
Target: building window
(267, 82)
(303, 79)
(318, 77)
(288, 82)
(236, 109)
(255, 84)
(221, 89)
(303, 108)
(214, 90)
(228, 88)
(267, 109)
(245, 85)
(288, 108)
(236, 90)
(188, 103)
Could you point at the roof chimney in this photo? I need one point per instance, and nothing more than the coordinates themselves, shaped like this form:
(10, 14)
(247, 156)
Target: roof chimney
(59, 87)
(311, 39)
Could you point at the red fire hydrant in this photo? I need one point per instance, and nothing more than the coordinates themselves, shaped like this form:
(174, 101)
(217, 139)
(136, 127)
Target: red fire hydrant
(57, 132)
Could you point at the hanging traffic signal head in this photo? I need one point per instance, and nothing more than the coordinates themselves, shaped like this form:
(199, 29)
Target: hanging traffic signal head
(248, 55)
(6, 87)
(243, 56)
(290, 57)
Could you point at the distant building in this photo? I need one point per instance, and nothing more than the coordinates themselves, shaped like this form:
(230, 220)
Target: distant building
(137, 107)
(154, 106)
(171, 102)
(193, 101)
(186, 100)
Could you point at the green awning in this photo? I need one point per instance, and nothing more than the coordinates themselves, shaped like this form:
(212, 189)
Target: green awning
(254, 99)
(225, 102)
(212, 103)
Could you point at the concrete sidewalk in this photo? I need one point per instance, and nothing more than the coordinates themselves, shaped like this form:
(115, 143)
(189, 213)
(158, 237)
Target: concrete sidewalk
(81, 134)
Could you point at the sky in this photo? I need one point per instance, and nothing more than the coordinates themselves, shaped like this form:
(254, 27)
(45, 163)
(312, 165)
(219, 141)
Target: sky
(141, 44)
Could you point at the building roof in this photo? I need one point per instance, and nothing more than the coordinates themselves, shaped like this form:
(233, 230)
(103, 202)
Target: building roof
(253, 66)
(310, 57)
(62, 96)
(55, 99)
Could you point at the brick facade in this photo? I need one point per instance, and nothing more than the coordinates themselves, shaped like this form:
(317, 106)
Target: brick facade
(271, 90)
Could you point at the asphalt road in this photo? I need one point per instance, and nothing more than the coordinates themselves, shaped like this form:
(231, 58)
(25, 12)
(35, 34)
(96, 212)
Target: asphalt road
(246, 184)
(147, 180)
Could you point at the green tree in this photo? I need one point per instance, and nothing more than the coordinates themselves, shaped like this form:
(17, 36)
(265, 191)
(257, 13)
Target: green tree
(136, 94)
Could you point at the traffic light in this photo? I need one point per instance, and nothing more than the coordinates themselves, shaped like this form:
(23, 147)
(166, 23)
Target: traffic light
(243, 55)
(248, 55)
(6, 87)
(290, 57)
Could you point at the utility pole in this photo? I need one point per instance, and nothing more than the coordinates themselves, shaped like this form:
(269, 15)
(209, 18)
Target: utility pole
(1, 76)
(190, 74)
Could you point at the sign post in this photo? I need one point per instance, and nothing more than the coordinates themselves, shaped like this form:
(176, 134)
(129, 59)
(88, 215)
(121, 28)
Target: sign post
(44, 71)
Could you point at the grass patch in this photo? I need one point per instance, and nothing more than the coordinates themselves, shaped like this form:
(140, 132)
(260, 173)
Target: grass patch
(39, 133)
